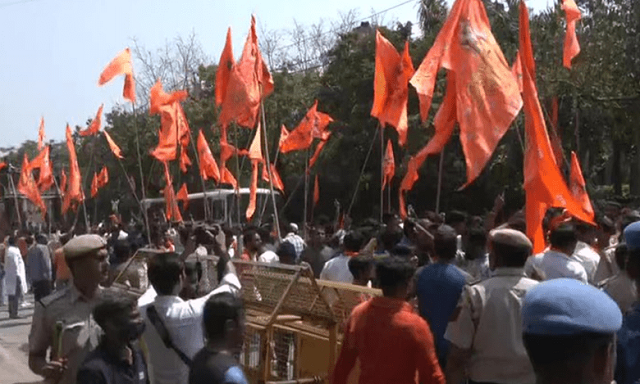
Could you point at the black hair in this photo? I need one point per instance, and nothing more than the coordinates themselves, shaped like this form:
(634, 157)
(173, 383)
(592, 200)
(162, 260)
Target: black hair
(549, 215)
(387, 217)
(402, 251)
(217, 310)
(353, 241)
(164, 272)
(621, 253)
(359, 265)
(122, 250)
(392, 273)
(265, 235)
(41, 239)
(566, 355)
(390, 238)
(29, 240)
(408, 227)
(445, 242)
(455, 217)
(112, 304)
(249, 233)
(477, 236)
(512, 256)
(286, 252)
(563, 236)
(11, 240)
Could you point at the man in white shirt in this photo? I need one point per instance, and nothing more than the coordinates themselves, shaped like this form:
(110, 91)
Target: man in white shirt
(337, 269)
(293, 238)
(586, 255)
(557, 261)
(15, 277)
(181, 319)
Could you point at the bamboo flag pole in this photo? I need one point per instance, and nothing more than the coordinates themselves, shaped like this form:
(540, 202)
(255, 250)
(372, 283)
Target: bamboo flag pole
(366, 160)
(268, 165)
(264, 204)
(381, 172)
(306, 192)
(142, 186)
(235, 134)
(15, 198)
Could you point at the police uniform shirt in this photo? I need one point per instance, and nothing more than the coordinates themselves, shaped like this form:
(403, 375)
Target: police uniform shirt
(622, 289)
(63, 322)
(488, 322)
(102, 368)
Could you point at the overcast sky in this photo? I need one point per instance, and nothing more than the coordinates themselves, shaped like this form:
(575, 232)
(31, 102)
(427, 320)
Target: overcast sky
(52, 51)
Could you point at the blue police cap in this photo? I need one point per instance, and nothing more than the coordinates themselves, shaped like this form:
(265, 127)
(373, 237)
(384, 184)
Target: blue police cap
(632, 236)
(563, 307)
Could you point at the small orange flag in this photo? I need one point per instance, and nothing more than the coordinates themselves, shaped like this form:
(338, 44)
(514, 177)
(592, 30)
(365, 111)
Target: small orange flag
(571, 44)
(313, 125)
(63, 182)
(389, 165)
(579, 186)
(121, 65)
(41, 135)
(94, 185)
(391, 86)
(487, 95)
(94, 128)
(316, 191)
(112, 145)
(284, 133)
(183, 195)
(172, 211)
(208, 166)
(226, 177)
(255, 149)
(185, 161)
(103, 177)
(27, 186)
(45, 179)
(316, 154)
(74, 190)
(249, 82)
(2, 165)
(277, 181)
(255, 154)
(224, 69)
(169, 134)
(159, 98)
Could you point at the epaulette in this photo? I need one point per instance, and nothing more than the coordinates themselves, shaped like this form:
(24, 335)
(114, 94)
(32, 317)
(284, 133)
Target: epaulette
(47, 300)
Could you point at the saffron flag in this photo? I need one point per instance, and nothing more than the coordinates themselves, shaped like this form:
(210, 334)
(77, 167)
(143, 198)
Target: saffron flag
(224, 69)
(2, 165)
(226, 177)
(183, 195)
(185, 161)
(249, 82)
(27, 186)
(112, 145)
(313, 125)
(94, 185)
(516, 70)
(316, 154)
(121, 65)
(255, 154)
(159, 98)
(556, 141)
(103, 177)
(571, 44)
(284, 133)
(579, 186)
(63, 182)
(277, 181)
(208, 166)
(41, 134)
(487, 95)
(391, 86)
(172, 211)
(38, 161)
(45, 179)
(389, 166)
(316, 191)
(543, 182)
(94, 127)
(73, 193)
(174, 131)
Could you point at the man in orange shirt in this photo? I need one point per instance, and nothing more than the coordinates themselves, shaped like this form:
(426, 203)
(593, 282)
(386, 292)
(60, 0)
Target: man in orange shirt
(392, 342)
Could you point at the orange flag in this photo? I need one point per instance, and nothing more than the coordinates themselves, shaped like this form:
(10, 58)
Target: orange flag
(255, 154)
(277, 181)
(171, 132)
(94, 128)
(94, 185)
(159, 98)
(208, 166)
(185, 161)
(45, 179)
(391, 86)
(316, 154)
(543, 182)
(313, 125)
(487, 94)
(226, 177)
(571, 44)
(121, 65)
(224, 69)
(73, 192)
(284, 133)
(316, 191)
(579, 186)
(389, 165)
(2, 165)
(41, 134)
(183, 195)
(103, 177)
(249, 82)
(516, 70)
(556, 142)
(172, 211)
(63, 182)
(112, 145)
(27, 186)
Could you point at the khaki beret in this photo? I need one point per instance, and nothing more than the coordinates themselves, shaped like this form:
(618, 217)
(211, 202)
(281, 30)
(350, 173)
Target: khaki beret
(83, 245)
(510, 237)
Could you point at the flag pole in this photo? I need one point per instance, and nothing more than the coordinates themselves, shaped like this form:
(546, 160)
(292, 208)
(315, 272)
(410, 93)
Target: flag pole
(264, 204)
(204, 189)
(268, 165)
(366, 160)
(15, 198)
(306, 192)
(439, 181)
(235, 134)
(381, 172)
(142, 186)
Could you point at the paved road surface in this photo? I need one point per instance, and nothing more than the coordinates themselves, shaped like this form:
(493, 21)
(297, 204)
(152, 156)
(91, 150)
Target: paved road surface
(14, 334)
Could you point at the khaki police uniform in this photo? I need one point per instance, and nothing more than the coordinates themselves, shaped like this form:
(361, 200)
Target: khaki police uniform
(62, 322)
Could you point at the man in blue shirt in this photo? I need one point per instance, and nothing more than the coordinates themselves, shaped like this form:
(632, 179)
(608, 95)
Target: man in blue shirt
(439, 286)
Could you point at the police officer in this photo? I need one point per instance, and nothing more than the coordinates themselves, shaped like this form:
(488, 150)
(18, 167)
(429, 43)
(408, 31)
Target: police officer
(569, 330)
(62, 322)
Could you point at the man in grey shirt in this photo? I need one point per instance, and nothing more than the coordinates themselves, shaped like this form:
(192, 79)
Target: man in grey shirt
(39, 268)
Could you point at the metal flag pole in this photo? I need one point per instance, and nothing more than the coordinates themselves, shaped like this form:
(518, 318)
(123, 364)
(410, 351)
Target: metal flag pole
(366, 160)
(268, 165)
(142, 186)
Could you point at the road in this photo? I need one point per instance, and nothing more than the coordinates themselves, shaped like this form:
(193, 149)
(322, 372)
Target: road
(14, 334)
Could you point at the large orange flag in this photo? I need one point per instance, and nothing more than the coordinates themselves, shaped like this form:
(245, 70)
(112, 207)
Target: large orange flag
(579, 186)
(208, 166)
(172, 211)
(277, 181)
(319, 149)
(159, 98)
(224, 69)
(543, 182)
(121, 65)
(183, 195)
(173, 131)
(313, 125)
(249, 82)
(391, 86)
(487, 95)
(516, 70)
(571, 44)
(112, 145)
(389, 165)
(45, 179)
(255, 154)
(73, 192)
(41, 134)
(94, 128)
(316, 191)
(27, 186)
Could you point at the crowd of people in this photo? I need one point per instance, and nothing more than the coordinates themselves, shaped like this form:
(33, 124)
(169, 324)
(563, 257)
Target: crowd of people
(463, 300)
